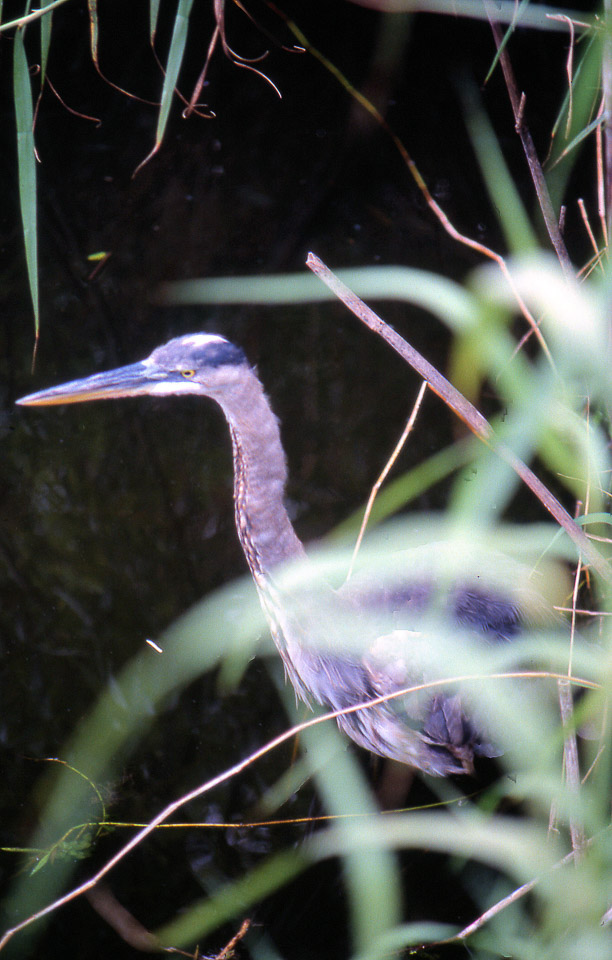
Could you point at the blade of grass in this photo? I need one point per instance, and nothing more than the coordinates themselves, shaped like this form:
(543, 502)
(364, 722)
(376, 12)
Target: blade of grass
(26, 166)
(445, 298)
(45, 41)
(401, 491)
(173, 66)
(510, 30)
(580, 136)
(153, 15)
(540, 17)
(233, 899)
(515, 223)
(585, 96)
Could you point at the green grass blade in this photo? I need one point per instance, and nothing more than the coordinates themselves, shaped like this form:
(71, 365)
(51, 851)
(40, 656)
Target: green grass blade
(45, 41)
(577, 140)
(401, 491)
(444, 298)
(514, 221)
(508, 34)
(153, 15)
(26, 166)
(584, 102)
(233, 899)
(173, 66)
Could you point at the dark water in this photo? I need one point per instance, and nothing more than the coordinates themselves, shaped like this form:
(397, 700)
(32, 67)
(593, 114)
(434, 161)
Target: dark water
(117, 517)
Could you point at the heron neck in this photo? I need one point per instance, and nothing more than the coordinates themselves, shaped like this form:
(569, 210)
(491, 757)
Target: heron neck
(260, 474)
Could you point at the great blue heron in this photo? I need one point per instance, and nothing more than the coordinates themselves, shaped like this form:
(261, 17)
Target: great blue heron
(433, 732)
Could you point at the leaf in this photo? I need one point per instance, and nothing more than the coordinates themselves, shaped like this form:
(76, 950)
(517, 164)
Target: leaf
(45, 40)
(173, 66)
(153, 15)
(26, 163)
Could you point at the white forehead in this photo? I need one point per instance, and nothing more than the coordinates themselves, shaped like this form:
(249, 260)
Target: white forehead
(191, 341)
(202, 339)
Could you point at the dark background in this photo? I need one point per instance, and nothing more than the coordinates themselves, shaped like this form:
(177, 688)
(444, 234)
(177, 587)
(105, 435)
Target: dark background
(117, 517)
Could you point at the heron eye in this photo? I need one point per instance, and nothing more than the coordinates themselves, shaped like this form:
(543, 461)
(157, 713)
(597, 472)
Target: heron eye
(187, 374)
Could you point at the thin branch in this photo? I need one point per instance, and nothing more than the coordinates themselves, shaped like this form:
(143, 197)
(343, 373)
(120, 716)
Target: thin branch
(35, 15)
(601, 180)
(587, 226)
(374, 492)
(570, 746)
(535, 167)
(607, 111)
(500, 905)
(462, 407)
(104, 902)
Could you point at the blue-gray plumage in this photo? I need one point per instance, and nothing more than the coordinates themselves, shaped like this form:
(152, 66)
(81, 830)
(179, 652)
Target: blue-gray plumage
(433, 732)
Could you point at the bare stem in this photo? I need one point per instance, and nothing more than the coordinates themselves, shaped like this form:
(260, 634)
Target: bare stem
(374, 492)
(607, 110)
(535, 167)
(462, 407)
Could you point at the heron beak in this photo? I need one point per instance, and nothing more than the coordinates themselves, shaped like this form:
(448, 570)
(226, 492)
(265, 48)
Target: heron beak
(130, 381)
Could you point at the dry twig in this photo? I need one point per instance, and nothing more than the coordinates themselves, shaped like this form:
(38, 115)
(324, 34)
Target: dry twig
(462, 407)
(374, 492)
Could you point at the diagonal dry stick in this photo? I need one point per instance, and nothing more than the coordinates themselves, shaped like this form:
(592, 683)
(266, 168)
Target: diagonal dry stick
(517, 103)
(463, 408)
(501, 905)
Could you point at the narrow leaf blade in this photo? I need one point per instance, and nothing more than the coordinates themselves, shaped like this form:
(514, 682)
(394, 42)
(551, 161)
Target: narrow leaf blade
(26, 164)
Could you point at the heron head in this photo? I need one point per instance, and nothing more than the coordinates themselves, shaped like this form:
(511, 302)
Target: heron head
(198, 363)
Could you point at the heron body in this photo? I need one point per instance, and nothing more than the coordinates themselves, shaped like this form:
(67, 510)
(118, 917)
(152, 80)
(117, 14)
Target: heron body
(432, 732)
